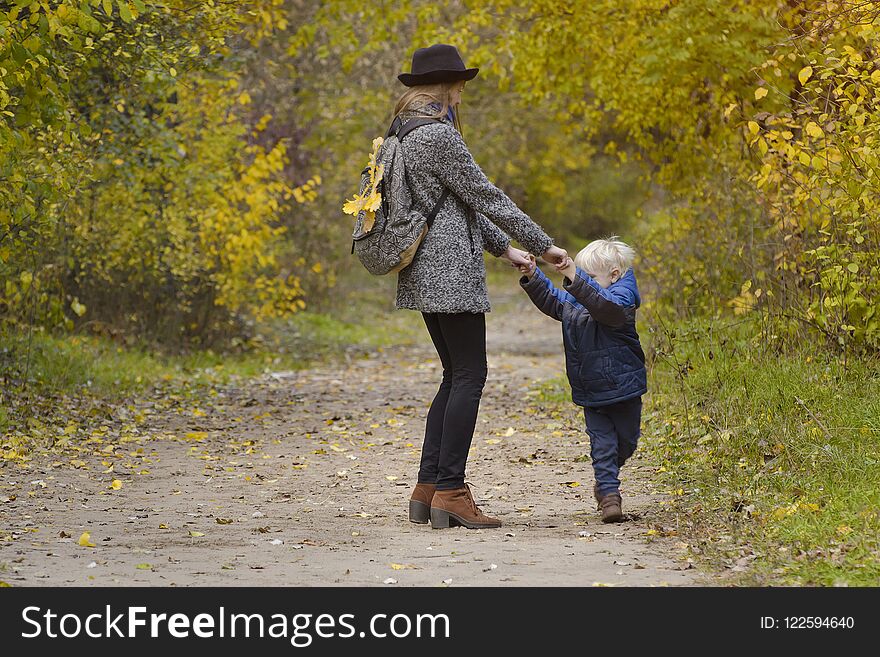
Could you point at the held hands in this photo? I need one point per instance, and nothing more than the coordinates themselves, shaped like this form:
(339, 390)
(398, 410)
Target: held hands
(567, 267)
(526, 262)
(522, 260)
(516, 257)
(555, 256)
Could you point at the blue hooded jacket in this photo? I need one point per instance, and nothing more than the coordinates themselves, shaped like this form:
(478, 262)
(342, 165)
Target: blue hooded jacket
(603, 357)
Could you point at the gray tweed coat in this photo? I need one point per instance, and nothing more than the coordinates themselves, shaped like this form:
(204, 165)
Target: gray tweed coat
(447, 274)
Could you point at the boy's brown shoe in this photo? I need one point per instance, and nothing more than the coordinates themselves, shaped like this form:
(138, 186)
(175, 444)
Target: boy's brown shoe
(451, 508)
(596, 493)
(610, 506)
(420, 503)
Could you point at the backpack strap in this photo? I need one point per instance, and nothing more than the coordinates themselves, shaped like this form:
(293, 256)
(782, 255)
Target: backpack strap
(436, 210)
(401, 129)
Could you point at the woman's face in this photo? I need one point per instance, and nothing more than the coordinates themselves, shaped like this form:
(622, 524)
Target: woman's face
(455, 94)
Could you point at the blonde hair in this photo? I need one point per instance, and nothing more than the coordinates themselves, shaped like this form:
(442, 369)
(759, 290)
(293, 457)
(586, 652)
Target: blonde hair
(601, 256)
(416, 99)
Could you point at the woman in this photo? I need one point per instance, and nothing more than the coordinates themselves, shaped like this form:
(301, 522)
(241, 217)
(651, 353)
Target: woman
(446, 280)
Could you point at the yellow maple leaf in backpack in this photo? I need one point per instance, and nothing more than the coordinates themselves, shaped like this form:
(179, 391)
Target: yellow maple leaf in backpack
(370, 199)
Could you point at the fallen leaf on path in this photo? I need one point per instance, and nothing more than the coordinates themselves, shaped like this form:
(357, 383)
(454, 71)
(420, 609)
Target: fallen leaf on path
(571, 484)
(403, 566)
(144, 566)
(84, 540)
(195, 534)
(224, 521)
(115, 484)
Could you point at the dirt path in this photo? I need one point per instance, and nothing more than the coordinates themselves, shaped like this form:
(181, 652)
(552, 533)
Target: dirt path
(302, 478)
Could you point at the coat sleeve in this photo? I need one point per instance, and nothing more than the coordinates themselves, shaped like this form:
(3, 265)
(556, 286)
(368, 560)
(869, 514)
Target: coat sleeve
(605, 306)
(456, 168)
(495, 240)
(548, 298)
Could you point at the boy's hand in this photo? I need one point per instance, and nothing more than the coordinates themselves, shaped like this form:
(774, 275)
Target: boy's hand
(567, 268)
(529, 269)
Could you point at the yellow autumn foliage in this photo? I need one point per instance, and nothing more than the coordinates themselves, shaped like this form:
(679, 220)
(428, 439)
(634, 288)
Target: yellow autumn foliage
(370, 199)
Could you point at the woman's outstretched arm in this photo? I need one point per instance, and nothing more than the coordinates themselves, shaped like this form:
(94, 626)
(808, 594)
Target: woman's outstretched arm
(453, 164)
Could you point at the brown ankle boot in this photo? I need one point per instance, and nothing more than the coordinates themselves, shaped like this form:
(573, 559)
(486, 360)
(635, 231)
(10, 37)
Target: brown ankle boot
(420, 503)
(457, 507)
(610, 506)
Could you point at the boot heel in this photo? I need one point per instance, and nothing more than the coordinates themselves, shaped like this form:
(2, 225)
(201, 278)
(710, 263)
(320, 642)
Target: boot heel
(419, 512)
(439, 519)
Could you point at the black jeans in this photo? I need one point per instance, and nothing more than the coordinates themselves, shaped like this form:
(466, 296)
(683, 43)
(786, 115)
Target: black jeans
(460, 340)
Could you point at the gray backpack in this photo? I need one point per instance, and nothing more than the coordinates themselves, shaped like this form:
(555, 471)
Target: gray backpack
(398, 230)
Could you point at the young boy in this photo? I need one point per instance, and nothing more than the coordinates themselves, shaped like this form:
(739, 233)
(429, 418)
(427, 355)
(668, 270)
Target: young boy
(603, 357)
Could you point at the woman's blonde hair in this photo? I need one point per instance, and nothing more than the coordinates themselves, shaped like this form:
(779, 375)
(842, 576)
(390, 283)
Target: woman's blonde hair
(601, 256)
(416, 99)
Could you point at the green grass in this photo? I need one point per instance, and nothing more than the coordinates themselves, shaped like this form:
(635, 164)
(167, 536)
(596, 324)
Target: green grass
(773, 458)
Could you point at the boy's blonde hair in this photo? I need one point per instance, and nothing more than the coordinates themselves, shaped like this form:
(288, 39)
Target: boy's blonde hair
(601, 256)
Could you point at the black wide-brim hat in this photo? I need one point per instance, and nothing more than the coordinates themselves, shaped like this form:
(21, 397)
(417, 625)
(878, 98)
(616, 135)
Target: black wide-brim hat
(437, 63)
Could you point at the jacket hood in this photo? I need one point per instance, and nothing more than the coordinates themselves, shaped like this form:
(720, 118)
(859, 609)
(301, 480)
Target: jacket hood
(628, 282)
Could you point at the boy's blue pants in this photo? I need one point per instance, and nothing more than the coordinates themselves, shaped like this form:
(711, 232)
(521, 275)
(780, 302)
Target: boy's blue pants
(614, 435)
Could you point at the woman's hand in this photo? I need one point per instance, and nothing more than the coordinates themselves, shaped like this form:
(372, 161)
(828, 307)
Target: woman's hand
(555, 255)
(516, 257)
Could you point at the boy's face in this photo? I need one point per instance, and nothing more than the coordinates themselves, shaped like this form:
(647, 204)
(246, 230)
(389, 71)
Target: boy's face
(604, 278)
